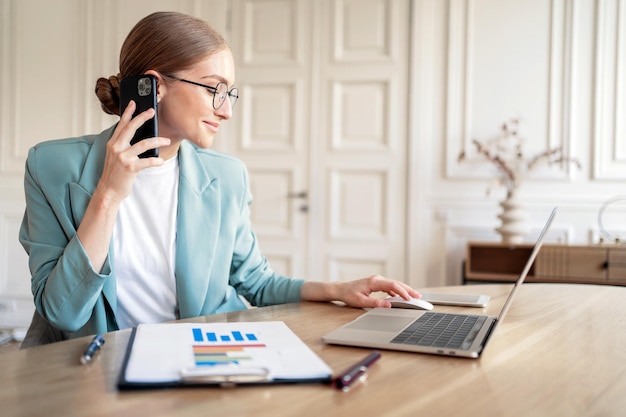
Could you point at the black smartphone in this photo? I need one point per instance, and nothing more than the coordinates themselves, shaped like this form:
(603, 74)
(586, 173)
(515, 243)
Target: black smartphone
(142, 90)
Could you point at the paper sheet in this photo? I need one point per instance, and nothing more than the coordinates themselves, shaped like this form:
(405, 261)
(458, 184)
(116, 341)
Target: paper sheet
(161, 351)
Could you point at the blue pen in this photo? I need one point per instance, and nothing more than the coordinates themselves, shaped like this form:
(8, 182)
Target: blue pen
(93, 347)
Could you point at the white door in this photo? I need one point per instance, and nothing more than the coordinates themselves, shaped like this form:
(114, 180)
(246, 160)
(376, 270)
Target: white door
(322, 126)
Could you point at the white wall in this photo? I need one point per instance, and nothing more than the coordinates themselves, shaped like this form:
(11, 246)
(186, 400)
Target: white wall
(51, 54)
(559, 65)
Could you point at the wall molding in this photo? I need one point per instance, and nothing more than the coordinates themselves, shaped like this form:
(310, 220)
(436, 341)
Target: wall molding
(610, 92)
(460, 67)
(7, 106)
(17, 115)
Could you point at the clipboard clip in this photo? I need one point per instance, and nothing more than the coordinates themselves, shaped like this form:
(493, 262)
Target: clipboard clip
(225, 375)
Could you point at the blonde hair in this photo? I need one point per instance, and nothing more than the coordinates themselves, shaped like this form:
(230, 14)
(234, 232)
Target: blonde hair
(165, 42)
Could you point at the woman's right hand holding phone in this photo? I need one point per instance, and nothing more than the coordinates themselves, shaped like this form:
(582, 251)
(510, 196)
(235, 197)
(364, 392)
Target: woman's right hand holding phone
(121, 165)
(122, 162)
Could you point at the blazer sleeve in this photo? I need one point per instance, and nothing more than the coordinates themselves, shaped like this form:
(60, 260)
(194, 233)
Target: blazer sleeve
(64, 285)
(251, 274)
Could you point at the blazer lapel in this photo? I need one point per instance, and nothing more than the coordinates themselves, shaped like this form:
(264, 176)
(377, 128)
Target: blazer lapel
(81, 191)
(198, 230)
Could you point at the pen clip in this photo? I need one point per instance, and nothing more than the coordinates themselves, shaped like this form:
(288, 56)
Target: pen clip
(224, 375)
(356, 373)
(346, 385)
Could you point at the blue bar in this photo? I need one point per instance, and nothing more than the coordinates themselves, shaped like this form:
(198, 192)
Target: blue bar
(237, 336)
(250, 336)
(197, 335)
(211, 337)
(225, 338)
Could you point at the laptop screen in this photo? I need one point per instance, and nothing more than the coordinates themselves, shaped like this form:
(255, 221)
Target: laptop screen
(529, 263)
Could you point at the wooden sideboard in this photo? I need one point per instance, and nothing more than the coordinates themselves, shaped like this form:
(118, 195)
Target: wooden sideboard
(591, 264)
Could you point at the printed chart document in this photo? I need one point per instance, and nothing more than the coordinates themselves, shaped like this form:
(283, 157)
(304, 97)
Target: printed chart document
(235, 353)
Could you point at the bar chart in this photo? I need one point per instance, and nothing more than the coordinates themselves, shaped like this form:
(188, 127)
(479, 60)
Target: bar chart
(211, 337)
(212, 348)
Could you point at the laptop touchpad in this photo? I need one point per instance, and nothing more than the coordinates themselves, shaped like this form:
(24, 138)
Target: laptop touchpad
(380, 323)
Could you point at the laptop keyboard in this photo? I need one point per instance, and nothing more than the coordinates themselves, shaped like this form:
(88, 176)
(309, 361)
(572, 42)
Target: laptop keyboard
(443, 330)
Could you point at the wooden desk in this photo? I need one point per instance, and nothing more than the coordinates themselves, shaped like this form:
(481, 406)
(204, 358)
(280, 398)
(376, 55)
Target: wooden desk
(560, 351)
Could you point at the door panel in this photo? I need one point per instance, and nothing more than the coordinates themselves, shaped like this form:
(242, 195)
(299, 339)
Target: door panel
(323, 131)
(363, 79)
(270, 41)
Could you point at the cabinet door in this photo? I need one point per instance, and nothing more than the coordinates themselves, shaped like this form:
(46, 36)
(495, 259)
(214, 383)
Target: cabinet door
(616, 266)
(321, 124)
(572, 264)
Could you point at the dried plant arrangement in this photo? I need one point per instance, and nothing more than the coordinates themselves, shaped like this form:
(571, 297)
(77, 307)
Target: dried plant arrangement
(505, 151)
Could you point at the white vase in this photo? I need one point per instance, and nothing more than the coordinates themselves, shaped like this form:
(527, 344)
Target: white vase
(514, 219)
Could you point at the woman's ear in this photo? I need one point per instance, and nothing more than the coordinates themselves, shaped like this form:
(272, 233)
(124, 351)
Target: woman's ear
(160, 81)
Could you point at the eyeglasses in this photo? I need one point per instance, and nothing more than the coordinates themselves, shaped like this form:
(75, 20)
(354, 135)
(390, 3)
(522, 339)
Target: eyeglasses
(220, 92)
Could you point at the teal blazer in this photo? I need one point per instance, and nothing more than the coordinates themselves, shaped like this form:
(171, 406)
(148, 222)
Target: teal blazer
(217, 254)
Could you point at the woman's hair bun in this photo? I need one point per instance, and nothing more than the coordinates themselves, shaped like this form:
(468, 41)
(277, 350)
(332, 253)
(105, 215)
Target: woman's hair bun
(108, 92)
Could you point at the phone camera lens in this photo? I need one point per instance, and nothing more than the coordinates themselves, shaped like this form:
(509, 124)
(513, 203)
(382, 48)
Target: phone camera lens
(144, 87)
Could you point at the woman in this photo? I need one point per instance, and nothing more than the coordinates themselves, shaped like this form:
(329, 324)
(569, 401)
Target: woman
(115, 240)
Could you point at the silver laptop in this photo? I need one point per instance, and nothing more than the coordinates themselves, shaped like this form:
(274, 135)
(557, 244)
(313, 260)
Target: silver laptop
(429, 331)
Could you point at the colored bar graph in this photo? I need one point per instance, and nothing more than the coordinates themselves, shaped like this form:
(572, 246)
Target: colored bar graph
(216, 348)
(226, 348)
(212, 337)
(220, 355)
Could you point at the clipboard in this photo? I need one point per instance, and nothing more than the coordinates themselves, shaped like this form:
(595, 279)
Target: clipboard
(170, 355)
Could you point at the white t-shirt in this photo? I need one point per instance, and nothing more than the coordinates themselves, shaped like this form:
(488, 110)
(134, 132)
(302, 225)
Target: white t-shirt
(144, 248)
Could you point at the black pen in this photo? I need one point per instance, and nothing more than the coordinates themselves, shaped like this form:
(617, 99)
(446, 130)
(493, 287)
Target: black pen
(356, 372)
(93, 347)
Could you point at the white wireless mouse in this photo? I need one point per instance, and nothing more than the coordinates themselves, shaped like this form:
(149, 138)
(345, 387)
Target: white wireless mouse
(416, 303)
